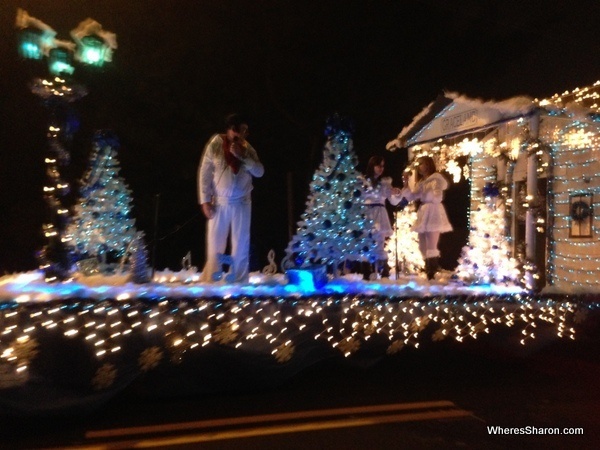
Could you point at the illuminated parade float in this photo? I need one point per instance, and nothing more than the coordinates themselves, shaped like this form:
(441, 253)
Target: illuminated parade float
(95, 317)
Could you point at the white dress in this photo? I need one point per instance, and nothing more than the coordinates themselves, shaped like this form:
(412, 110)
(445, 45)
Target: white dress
(374, 200)
(431, 216)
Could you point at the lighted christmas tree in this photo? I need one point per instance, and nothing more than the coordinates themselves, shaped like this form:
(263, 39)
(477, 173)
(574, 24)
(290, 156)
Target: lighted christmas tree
(403, 246)
(334, 228)
(102, 226)
(488, 257)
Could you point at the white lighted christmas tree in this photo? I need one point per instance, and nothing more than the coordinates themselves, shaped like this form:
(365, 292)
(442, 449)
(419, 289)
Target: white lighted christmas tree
(102, 225)
(488, 257)
(403, 246)
(334, 228)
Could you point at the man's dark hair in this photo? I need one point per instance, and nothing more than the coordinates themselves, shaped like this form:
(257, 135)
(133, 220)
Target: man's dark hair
(235, 120)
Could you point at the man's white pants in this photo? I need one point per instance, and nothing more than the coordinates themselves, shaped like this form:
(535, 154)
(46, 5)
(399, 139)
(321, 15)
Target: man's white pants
(234, 218)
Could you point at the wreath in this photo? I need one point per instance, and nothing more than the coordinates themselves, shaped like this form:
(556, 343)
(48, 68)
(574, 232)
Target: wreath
(580, 211)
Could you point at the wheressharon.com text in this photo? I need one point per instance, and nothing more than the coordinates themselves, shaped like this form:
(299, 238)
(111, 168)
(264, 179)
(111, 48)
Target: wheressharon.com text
(533, 430)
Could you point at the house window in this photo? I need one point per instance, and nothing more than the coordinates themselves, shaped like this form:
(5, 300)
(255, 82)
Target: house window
(581, 215)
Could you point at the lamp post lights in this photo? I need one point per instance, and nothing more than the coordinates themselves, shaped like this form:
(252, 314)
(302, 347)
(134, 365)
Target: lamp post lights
(93, 46)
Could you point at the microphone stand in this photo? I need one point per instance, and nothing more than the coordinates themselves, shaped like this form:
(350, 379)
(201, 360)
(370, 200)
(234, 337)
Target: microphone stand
(399, 207)
(396, 211)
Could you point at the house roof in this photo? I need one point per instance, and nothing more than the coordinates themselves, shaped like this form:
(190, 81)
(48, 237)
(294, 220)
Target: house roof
(428, 113)
(452, 113)
(454, 105)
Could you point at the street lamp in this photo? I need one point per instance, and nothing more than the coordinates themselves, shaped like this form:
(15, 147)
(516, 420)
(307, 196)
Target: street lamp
(92, 46)
(60, 61)
(31, 43)
(35, 37)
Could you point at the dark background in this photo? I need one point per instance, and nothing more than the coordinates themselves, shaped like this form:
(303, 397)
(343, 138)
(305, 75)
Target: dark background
(182, 65)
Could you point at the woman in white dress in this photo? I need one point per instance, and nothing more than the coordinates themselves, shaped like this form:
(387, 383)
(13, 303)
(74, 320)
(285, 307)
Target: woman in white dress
(378, 189)
(432, 219)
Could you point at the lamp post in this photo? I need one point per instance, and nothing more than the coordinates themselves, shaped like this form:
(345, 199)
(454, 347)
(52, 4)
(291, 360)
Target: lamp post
(37, 41)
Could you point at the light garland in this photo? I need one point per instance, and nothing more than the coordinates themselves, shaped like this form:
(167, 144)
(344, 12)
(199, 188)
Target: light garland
(56, 256)
(271, 326)
(447, 157)
(587, 97)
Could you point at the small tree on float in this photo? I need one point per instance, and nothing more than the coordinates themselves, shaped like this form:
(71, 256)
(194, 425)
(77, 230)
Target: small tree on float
(487, 258)
(335, 227)
(102, 226)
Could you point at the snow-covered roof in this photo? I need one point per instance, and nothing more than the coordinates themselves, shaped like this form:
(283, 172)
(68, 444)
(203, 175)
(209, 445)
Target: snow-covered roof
(515, 106)
(457, 112)
(453, 104)
(426, 115)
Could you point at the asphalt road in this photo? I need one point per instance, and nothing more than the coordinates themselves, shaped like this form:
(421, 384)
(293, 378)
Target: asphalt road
(549, 383)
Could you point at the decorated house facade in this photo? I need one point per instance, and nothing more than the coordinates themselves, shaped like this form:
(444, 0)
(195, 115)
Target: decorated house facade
(535, 160)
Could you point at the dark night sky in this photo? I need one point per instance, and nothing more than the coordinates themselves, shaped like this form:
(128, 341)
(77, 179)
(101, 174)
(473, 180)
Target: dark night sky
(182, 65)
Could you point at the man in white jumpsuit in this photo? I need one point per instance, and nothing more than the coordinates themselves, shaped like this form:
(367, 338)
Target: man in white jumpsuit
(224, 185)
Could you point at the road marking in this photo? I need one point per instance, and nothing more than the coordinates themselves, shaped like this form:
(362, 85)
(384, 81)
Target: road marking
(165, 428)
(407, 416)
(296, 428)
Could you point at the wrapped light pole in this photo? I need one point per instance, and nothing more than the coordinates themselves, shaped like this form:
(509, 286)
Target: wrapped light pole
(58, 91)
(533, 143)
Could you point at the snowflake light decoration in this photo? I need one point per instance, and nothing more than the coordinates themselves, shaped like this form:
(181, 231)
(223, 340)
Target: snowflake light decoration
(284, 352)
(349, 345)
(395, 347)
(150, 358)
(226, 333)
(105, 376)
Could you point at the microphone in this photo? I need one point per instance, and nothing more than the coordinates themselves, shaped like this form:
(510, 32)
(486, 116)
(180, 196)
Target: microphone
(403, 203)
(240, 144)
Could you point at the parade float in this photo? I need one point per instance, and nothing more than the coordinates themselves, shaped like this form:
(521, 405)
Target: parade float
(96, 318)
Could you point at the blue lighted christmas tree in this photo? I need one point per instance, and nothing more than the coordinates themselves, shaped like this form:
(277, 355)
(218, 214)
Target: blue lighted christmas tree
(334, 228)
(102, 226)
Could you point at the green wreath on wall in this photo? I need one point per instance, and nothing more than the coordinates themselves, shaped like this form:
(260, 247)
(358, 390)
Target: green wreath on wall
(580, 211)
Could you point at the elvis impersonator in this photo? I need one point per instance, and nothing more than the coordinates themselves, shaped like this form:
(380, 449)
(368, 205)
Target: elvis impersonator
(224, 185)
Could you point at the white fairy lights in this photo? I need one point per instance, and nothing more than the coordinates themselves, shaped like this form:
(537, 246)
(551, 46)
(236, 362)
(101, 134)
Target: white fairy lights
(587, 97)
(573, 262)
(273, 326)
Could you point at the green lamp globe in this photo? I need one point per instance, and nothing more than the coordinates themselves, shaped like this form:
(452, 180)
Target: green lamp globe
(60, 62)
(92, 50)
(31, 43)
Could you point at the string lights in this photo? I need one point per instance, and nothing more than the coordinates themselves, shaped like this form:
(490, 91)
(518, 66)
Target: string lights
(276, 326)
(573, 261)
(586, 97)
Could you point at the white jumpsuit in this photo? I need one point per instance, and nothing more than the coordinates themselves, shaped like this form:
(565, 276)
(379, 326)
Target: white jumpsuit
(230, 194)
